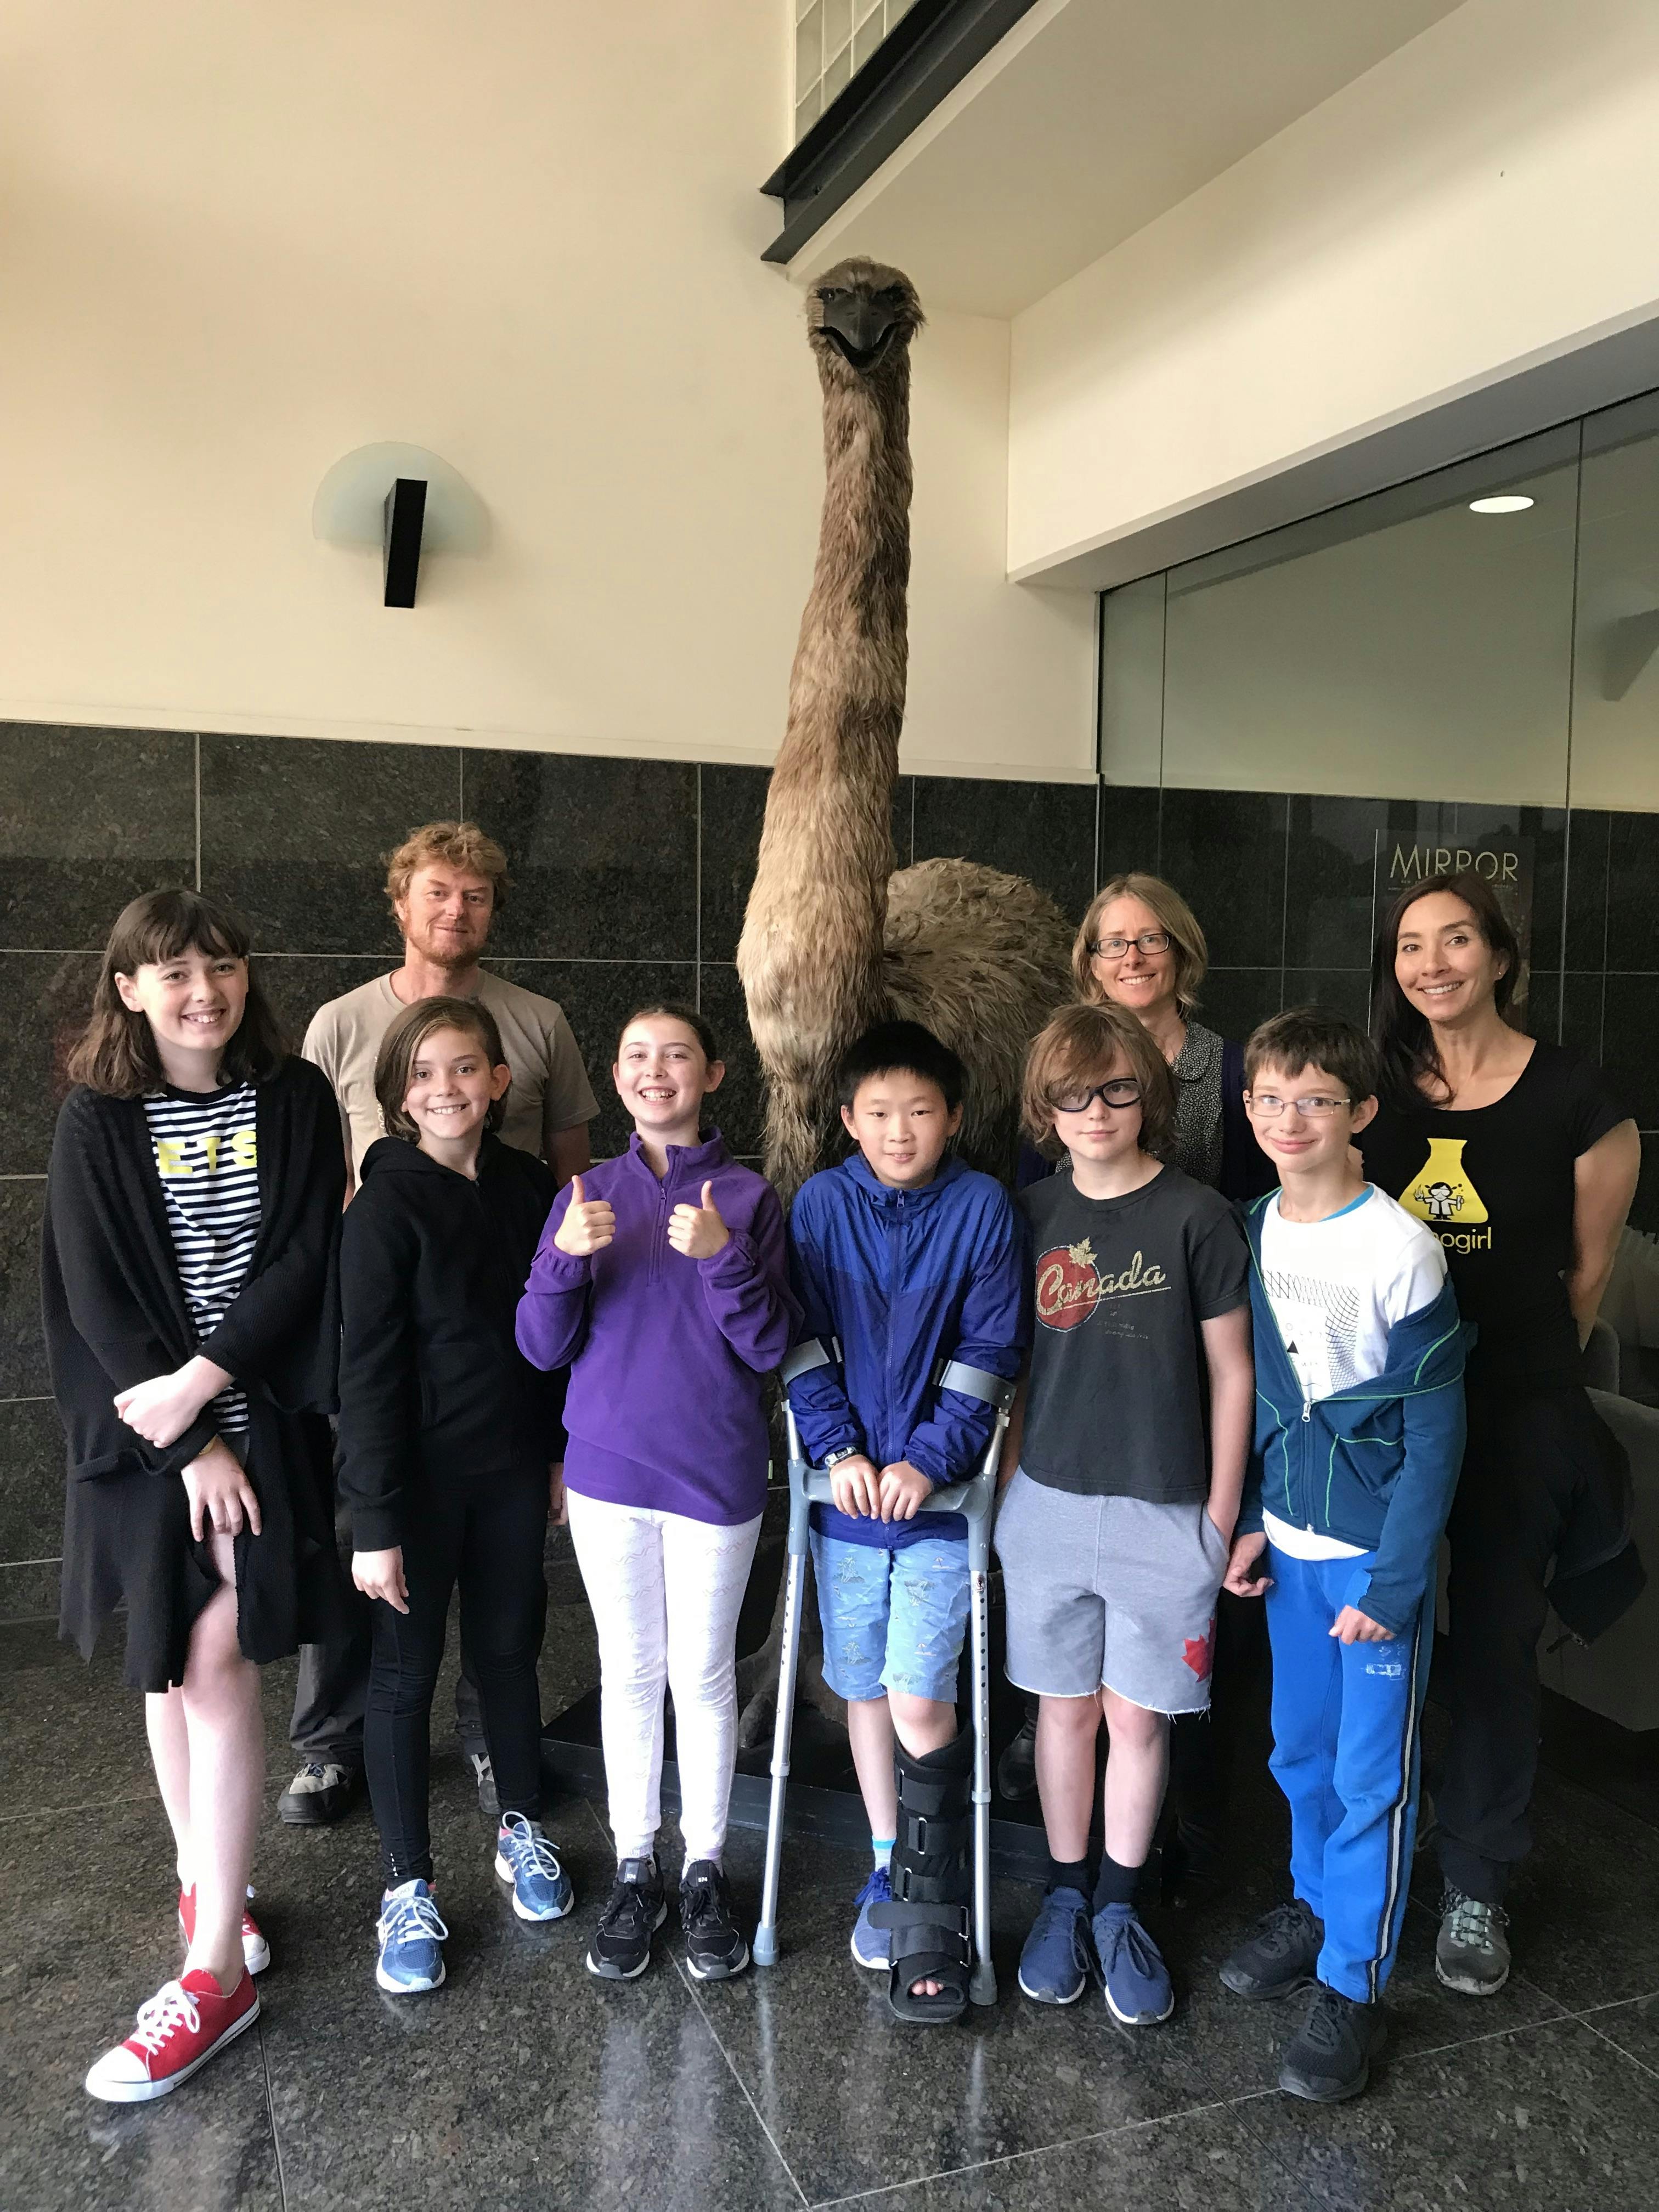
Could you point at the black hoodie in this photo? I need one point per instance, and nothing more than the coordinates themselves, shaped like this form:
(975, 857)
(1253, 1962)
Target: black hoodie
(432, 1384)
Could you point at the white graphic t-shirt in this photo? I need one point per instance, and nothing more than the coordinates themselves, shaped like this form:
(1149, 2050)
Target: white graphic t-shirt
(1336, 1288)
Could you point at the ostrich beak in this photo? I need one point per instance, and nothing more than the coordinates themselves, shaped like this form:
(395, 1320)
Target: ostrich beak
(858, 327)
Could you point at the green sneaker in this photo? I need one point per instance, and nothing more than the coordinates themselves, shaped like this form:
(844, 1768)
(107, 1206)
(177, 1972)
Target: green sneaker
(1471, 1952)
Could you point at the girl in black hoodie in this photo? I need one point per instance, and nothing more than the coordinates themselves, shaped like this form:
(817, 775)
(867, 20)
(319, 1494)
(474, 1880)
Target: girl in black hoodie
(447, 1438)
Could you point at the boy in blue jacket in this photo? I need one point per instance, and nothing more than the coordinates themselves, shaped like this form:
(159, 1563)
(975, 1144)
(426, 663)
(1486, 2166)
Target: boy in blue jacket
(1358, 1439)
(903, 1259)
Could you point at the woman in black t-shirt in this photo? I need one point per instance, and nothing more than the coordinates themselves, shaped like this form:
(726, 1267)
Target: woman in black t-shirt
(1519, 1159)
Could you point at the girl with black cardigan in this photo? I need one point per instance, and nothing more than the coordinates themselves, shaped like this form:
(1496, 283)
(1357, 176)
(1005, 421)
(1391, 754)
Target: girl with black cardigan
(191, 1321)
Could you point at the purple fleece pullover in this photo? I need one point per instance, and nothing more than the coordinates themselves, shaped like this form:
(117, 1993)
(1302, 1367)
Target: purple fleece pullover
(666, 1354)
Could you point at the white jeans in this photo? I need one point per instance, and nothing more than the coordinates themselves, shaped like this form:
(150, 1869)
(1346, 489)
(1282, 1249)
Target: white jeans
(665, 1591)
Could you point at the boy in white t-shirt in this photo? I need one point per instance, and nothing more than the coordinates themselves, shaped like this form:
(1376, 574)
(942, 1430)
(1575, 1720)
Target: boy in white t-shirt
(1358, 1438)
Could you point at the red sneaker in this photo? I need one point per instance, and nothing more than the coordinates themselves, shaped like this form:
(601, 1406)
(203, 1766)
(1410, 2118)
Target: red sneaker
(178, 2030)
(256, 1952)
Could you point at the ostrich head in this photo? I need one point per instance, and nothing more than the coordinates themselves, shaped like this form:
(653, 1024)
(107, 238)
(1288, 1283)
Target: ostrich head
(860, 319)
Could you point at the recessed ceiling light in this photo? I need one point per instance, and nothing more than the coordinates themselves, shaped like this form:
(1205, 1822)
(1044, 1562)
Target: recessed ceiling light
(1505, 502)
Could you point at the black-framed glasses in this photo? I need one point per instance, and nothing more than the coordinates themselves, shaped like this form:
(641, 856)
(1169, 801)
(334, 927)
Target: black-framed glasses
(1150, 941)
(1270, 1107)
(1122, 1091)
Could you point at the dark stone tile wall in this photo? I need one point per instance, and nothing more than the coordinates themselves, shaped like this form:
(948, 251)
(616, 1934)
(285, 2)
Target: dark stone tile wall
(630, 879)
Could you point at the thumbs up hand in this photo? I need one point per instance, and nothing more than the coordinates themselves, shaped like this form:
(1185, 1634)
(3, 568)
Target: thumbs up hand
(589, 1225)
(698, 1230)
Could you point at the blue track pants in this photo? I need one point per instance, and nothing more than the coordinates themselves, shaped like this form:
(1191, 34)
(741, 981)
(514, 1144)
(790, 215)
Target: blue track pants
(1347, 1754)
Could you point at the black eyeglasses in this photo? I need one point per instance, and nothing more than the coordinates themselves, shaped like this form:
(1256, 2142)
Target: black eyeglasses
(1123, 1090)
(1150, 941)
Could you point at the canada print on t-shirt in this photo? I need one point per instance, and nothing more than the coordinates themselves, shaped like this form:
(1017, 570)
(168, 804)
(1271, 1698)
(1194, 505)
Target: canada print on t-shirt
(1070, 1286)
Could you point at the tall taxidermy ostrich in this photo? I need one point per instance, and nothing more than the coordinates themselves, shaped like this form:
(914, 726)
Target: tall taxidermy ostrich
(833, 939)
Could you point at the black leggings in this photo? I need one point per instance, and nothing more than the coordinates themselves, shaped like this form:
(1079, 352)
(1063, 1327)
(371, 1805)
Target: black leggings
(489, 1532)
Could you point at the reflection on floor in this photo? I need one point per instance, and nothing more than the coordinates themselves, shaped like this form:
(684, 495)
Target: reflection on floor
(526, 2082)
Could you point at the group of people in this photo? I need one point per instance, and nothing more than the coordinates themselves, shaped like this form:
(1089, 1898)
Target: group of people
(1280, 1315)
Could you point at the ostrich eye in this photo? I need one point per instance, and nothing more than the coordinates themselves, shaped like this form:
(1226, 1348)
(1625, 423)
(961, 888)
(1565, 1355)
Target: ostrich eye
(828, 292)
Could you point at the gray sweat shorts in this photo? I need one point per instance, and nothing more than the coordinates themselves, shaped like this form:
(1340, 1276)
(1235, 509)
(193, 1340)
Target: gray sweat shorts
(1109, 1592)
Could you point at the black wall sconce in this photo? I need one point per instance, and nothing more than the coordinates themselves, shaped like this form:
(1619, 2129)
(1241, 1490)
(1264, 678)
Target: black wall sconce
(405, 501)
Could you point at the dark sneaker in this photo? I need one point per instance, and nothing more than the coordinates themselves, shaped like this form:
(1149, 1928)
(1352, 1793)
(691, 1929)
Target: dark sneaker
(1331, 2057)
(634, 1911)
(715, 1947)
(1279, 1955)
(1053, 1967)
(484, 1775)
(1017, 1768)
(1471, 1952)
(1138, 1990)
(320, 1793)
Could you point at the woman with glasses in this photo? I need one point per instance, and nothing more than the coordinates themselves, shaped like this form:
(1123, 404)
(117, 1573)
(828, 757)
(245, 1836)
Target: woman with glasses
(1523, 1162)
(1141, 948)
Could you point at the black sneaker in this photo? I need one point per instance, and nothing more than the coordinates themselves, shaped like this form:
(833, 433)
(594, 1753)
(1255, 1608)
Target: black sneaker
(1279, 1954)
(319, 1794)
(484, 1774)
(1017, 1768)
(1331, 2057)
(634, 1911)
(1471, 1952)
(715, 1947)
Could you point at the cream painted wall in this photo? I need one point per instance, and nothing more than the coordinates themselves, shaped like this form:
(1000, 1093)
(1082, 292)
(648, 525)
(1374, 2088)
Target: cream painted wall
(236, 243)
(1477, 202)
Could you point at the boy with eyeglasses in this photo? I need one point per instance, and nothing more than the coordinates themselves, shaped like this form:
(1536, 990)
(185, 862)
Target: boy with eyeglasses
(1128, 1447)
(1358, 1438)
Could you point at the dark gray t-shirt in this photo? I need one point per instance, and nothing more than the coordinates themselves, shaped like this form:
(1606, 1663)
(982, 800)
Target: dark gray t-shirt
(1118, 1398)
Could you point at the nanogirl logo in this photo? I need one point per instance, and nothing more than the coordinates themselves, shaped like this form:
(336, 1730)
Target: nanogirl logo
(1412, 863)
(1465, 1240)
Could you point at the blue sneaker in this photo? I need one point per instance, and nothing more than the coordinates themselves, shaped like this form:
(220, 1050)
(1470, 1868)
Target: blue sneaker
(541, 1887)
(872, 1947)
(411, 1936)
(1053, 1967)
(1138, 1990)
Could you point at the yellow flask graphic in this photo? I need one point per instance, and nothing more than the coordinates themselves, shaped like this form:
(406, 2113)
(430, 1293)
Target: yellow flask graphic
(1442, 1195)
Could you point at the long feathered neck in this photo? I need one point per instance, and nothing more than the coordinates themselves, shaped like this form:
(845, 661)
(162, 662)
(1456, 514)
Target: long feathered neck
(846, 687)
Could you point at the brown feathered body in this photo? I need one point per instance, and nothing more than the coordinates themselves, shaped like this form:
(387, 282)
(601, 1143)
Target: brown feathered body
(832, 939)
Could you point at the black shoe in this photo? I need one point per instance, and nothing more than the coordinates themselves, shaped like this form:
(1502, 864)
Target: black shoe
(1279, 1954)
(1192, 1869)
(634, 1911)
(485, 1774)
(320, 1793)
(1331, 2057)
(1017, 1768)
(715, 1947)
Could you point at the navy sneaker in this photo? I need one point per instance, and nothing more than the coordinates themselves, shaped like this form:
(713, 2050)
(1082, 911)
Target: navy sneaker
(872, 1947)
(524, 1857)
(1138, 1990)
(1053, 1967)
(411, 1935)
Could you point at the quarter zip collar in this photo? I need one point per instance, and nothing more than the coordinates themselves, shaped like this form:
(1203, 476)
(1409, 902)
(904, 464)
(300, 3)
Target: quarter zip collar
(950, 1170)
(688, 1164)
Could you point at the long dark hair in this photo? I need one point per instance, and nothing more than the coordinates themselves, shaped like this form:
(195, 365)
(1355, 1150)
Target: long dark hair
(116, 1052)
(1404, 1040)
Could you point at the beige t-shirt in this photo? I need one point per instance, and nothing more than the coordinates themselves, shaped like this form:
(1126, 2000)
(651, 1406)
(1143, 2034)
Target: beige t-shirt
(550, 1091)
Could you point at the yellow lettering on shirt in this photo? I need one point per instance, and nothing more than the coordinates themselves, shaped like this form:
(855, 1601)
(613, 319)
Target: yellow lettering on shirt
(210, 1145)
(244, 1149)
(169, 1160)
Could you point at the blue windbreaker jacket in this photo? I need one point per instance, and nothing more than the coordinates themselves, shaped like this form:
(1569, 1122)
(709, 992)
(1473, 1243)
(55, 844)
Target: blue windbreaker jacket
(1374, 1465)
(903, 1279)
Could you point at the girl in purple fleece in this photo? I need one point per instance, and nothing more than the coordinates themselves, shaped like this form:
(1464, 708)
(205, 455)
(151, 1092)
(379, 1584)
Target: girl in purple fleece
(661, 1278)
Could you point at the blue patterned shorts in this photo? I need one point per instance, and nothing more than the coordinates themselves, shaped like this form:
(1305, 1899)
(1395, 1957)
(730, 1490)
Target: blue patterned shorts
(892, 1620)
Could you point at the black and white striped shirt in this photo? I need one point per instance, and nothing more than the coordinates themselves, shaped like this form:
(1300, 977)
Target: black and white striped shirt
(207, 1157)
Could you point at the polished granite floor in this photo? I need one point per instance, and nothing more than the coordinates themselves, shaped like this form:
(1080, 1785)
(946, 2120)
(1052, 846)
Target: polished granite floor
(525, 2082)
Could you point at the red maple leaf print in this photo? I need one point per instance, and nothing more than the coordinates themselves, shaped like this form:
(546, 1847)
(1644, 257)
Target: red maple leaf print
(1198, 1651)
